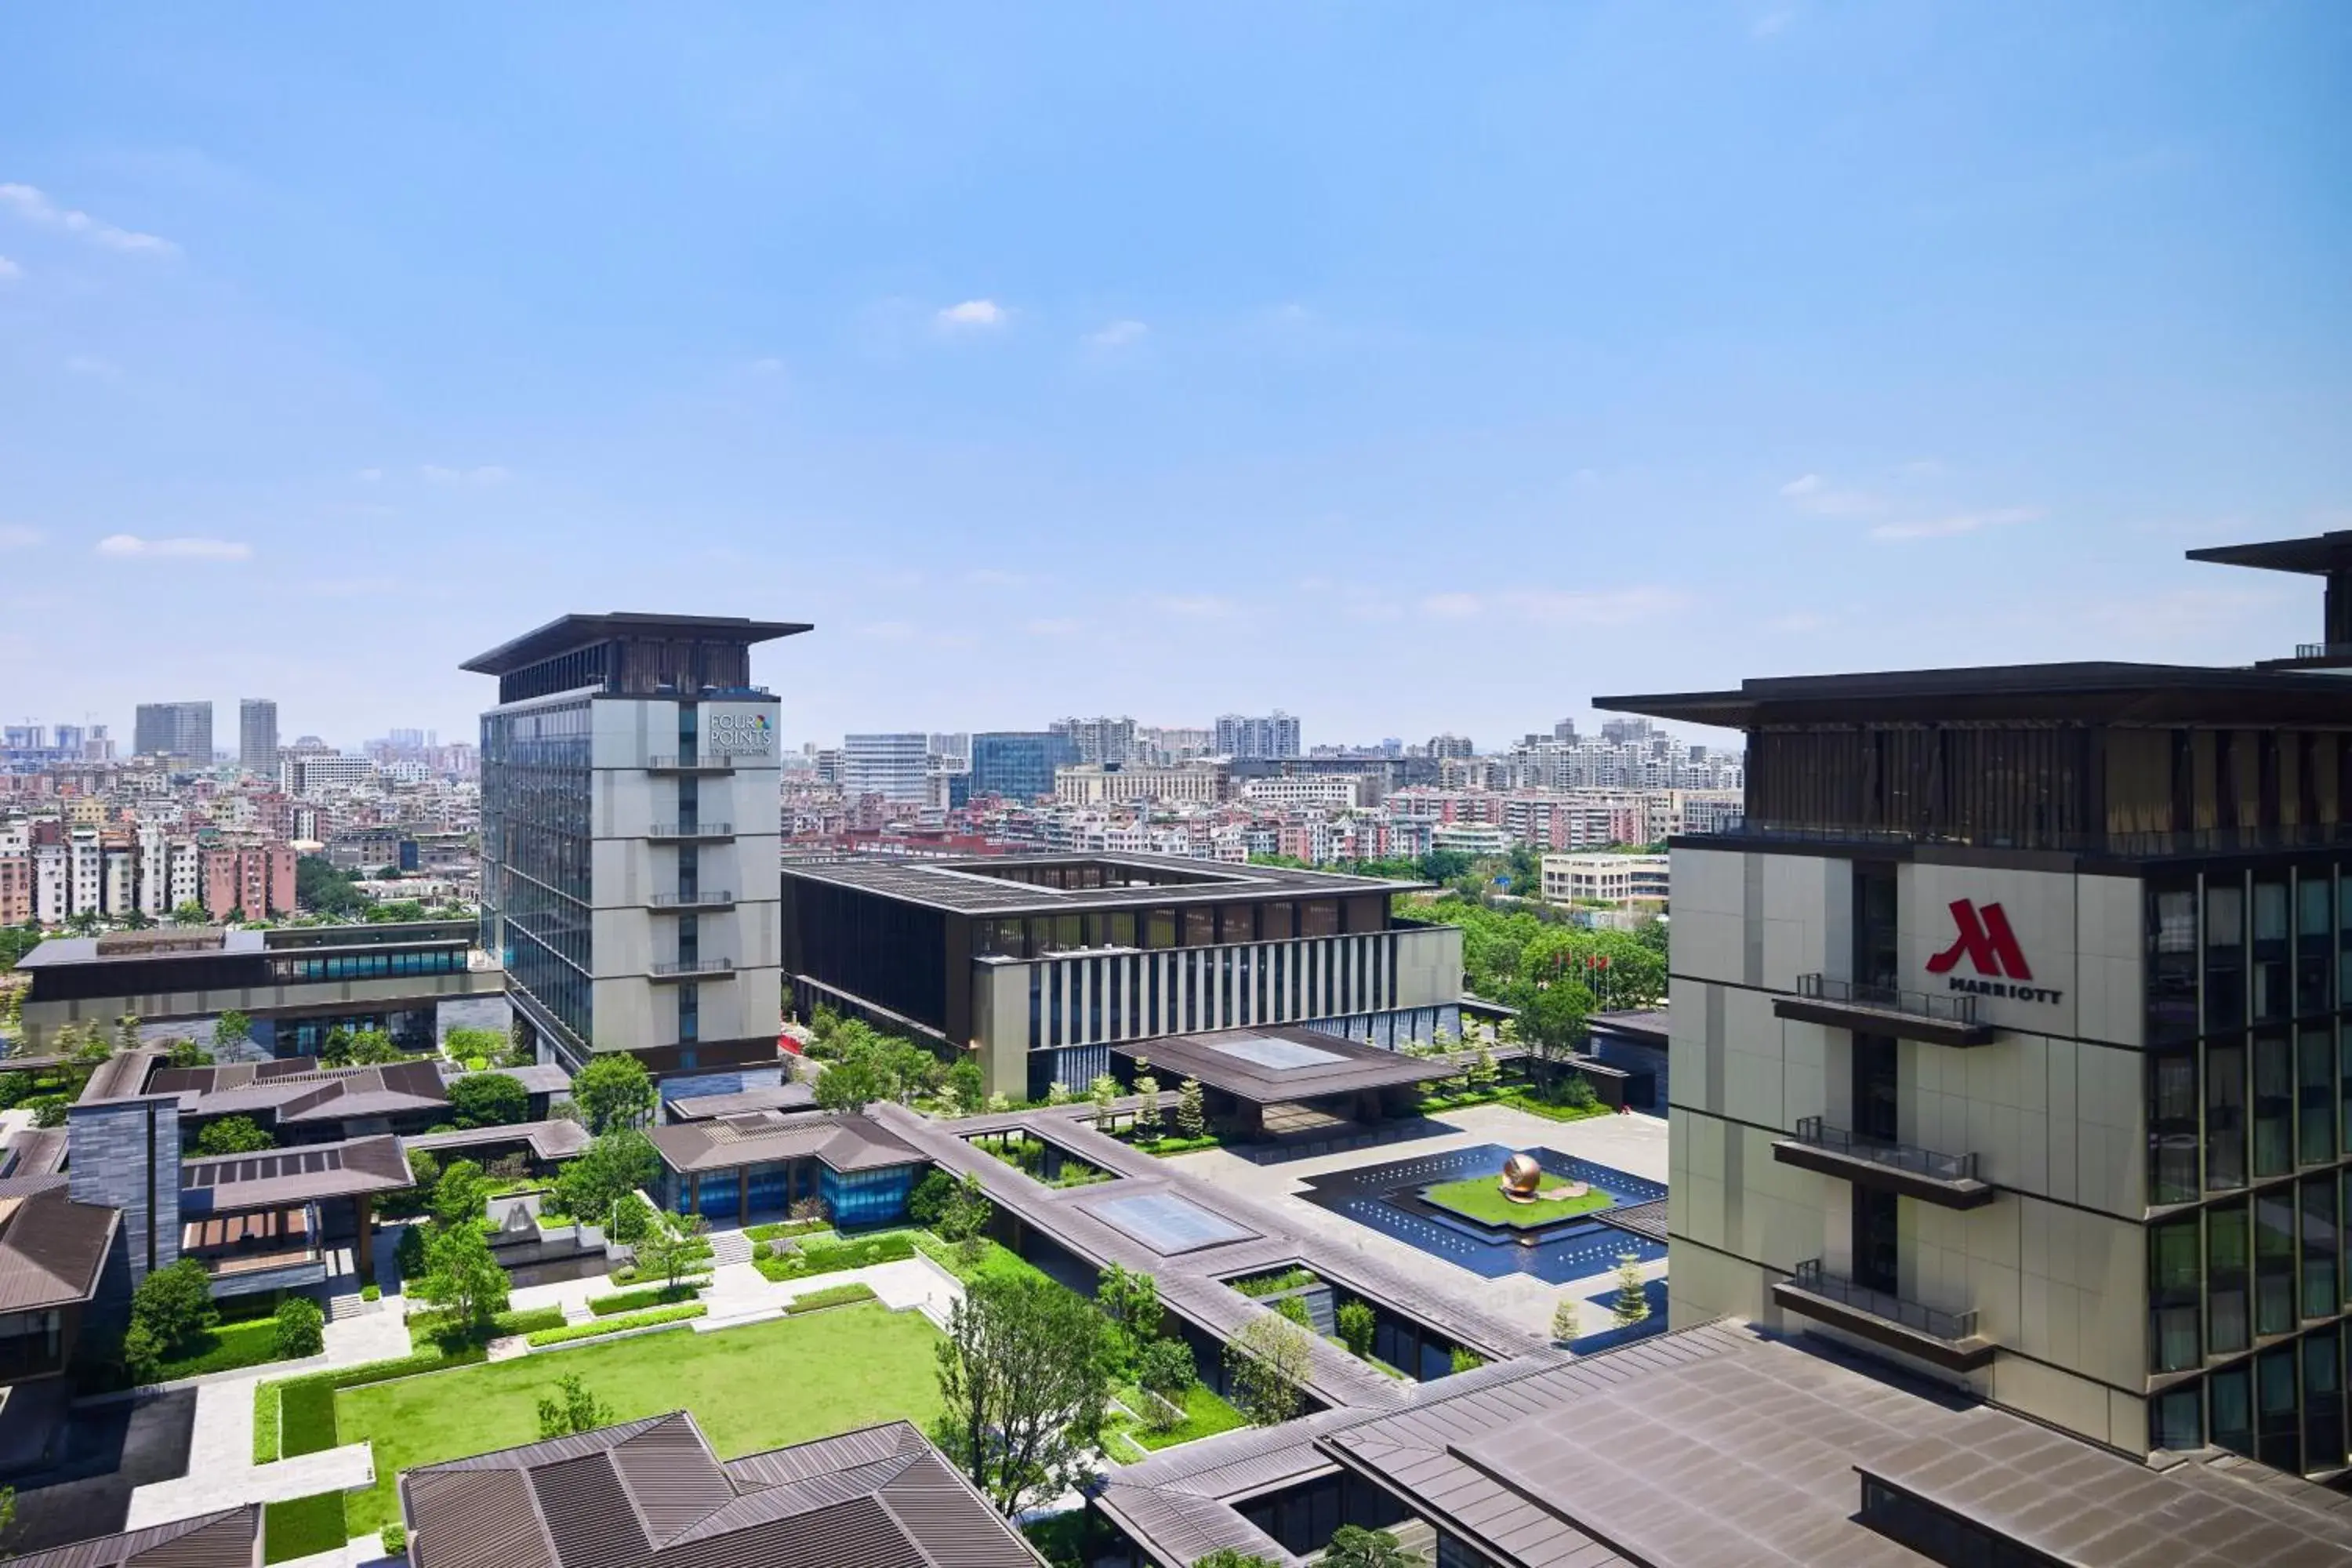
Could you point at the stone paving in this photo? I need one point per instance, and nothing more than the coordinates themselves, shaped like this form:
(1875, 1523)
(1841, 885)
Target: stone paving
(1635, 1142)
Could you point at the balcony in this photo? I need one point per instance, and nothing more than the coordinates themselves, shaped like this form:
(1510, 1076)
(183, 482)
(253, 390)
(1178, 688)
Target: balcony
(1947, 1180)
(1883, 1010)
(711, 900)
(2324, 651)
(1946, 1340)
(693, 968)
(685, 830)
(675, 764)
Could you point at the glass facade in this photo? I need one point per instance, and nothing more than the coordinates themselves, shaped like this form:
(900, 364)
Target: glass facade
(2249, 1086)
(866, 1198)
(368, 965)
(1019, 764)
(536, 856)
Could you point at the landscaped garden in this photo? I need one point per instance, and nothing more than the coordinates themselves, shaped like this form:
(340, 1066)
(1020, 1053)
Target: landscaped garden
(750, 1388)
(1481, 1198)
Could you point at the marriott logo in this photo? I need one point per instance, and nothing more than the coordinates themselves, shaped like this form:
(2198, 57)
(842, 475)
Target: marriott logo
(1991, 949)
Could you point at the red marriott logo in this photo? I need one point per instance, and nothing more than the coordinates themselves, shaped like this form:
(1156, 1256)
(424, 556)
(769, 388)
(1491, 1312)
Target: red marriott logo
(1991, 949)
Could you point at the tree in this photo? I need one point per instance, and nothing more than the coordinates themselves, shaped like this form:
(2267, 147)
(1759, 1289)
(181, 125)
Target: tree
(965, 1214)
(571, 1409)
(1023, 1387)
(927, 1204)
(7, 1512)
(1226, 1557)
(1567, 1320)
(967, 1090)
(1357, 1325)
(465, 1044)
(1633, 1303)
(233, 1135)
(461, 1277)
(1485, 1072)
(126, 1032)
(321, 886)
(1147, 1093)
(1266, 1366)
(184, 1052)
(1130, 1299)
(620, 1162)
(489, 1100)
(361, 1048)
(1353, 1546)
(1104, 1092)
(613, 1091)
(460, 1196)
(1166, 1368)
(675, 1250)
(188, 912)
(1192, 1109)
(231, 1030)
(633, 1219)
(851, 1084)
(174, 1305)
(301, 1328)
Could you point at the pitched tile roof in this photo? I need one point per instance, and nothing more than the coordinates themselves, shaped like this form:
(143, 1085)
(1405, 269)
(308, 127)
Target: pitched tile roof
(759, 1138)
(229, 1539)
(650, 1494)
(223, 1184)
(298, 1090)
(52, 1249)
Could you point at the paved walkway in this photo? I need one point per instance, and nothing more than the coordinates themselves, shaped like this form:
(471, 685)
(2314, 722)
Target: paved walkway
(1634, 1143)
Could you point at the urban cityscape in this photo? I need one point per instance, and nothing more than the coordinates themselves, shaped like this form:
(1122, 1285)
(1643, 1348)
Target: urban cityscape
(1783, 1056)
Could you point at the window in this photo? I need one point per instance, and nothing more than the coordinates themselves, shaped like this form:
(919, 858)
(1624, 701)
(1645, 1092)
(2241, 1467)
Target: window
(2323, 1401)
(2171, 965)
(2228, 1271)
(2225, 957)
(1275, 921)
(2273, 1106)
(2315, 943)
(1320, 917)
(2274, 1304)
(2314, 1094)
(2321, 1295)
(2229, 1397)
(2174, 1342)
(2278, 1435)
(2178, 1422)
(1237, 922)
(2273, 996)
(1200, 925)
(2171, 1125)
(2225, 1116)
(1160, 928)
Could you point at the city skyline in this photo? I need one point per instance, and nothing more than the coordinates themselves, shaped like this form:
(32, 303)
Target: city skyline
(1633, 350)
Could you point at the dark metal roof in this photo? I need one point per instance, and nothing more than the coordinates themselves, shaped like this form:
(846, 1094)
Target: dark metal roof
(229, 1539)
(976, 885)
(52, 1249)
(2318, 555)
(225, 1183)
(762, 1136)
(1236, 1061)
(2105, 692)
(35, 1152)
(566, 633)
(556, 1140)
(1646, 1026)
(773, 1097)
(122, 1076)
(298, 1090)
(651, 1494)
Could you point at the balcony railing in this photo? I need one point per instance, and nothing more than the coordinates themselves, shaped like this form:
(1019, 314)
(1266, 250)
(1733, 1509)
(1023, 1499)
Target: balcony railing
(2323, 650)
(1926, 1162)
(2147, 846)
(697, 966)
(1879, 1304)
(1957, 1008)
(680, 765)
(692, 901)
(691, 830)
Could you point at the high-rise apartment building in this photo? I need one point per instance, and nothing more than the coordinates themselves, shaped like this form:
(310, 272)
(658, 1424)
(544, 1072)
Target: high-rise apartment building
(1019, 764)
(306, 772)
(1246, 739)
(1099, 739)
(630, 838)
(893, 766)
(2010, 1034)
(256, 736)
(179, 732)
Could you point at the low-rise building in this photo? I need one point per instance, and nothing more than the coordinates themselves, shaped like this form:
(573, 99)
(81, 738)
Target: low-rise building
(1615, 880)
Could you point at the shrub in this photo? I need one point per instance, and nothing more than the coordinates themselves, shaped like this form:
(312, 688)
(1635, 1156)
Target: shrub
(1356, 1325)
(489, 1099)
(651, 1295)
(632, 1217)
(174, 1305)
(301, 1326)
(1294, 1309)
(929, 1201)
(618, 1325)
(409, 1251)
(395, 1541)
(837, 1256)
(1468, 1359)
(831, 1296)
(48, 1109)
(370, 1292)
(233, 1135)
(1166, 1368)
(302, 1527)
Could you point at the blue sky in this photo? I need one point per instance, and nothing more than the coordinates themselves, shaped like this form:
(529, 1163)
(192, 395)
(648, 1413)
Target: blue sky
(1407, 368)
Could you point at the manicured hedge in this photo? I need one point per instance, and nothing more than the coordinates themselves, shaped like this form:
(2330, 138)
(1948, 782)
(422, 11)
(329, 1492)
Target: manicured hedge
(618, 1325)
(224, 1348)
(889, 1248)
(787, 1227)
(831, 1296)
(423, 1329)
(651, 1295)
(302, 1526)
(296, 1415)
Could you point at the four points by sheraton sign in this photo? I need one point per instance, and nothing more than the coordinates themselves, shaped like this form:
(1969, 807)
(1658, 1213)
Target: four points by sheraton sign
(1991, 948)
(738, 735)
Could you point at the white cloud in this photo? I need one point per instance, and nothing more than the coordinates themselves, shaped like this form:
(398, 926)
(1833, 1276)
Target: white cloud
(1196, 606)
(10, 269)
(1118, 334)
(488, 474)
(1956, 523)
(15, 537)
(1558, 607)
(973, 313)
(29, 204)
(1813, 494)
(368, 476)
(91, 364)
(128, 546)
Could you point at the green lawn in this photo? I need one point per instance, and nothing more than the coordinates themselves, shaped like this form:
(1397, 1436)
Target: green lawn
(1481, 1198)
(750, 1388)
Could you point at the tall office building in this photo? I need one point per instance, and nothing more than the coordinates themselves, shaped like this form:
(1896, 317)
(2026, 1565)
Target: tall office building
(630, 835)
(256, 735)
(180, 732)
(894, 766)
(2009, 1035)
(1019, 764)
(1245, 738)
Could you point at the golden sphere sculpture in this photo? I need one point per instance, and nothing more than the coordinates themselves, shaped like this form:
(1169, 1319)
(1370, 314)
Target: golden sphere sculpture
(1521, 1177)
